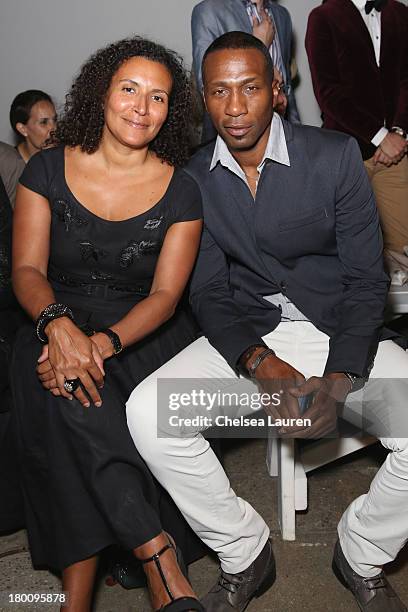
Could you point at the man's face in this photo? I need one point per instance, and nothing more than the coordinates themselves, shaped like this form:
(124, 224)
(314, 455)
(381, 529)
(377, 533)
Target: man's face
(239, 96)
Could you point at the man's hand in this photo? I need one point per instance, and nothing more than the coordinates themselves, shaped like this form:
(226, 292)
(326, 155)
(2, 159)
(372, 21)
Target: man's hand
(275, 377)
(391, 150)
(381, 158)
(329, 392)
(265, 30)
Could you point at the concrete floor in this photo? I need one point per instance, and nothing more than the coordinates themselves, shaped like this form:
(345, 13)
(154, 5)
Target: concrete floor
(305, 582)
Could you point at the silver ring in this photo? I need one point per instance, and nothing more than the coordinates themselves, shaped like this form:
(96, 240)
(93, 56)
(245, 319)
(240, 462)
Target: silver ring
(71, 384)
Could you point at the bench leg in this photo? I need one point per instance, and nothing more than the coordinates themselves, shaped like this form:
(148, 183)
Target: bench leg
(286, 489)
(292, 483)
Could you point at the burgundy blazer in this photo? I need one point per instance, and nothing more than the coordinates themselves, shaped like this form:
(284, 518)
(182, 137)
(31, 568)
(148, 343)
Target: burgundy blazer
(354, 94)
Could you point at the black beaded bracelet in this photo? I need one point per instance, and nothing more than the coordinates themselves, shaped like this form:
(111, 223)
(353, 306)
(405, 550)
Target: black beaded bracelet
(51, 312)
(114, 338)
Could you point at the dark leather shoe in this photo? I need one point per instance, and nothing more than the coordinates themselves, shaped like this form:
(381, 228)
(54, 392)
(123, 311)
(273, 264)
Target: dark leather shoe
(372, 594)
(233, 592)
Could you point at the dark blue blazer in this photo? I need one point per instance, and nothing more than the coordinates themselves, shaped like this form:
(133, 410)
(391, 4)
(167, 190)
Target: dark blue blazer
(312, 233)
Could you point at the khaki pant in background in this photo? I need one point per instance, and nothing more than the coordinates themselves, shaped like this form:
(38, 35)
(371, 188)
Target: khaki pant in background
(390, 186)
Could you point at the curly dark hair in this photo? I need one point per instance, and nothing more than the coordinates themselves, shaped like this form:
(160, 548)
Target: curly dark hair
(83, 119)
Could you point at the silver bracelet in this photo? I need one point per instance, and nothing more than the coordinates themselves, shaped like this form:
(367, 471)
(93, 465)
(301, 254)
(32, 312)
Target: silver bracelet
(257, 362)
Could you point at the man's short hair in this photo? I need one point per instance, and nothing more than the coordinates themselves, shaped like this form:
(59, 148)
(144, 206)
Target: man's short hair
(240, 40)
(23, 103)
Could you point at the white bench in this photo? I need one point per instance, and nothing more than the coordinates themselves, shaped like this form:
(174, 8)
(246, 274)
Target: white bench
(290, 464)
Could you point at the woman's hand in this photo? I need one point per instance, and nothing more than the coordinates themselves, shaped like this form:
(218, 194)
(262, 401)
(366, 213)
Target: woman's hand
(46, 373)
(102, 349)
(103, 345)
(71, 354)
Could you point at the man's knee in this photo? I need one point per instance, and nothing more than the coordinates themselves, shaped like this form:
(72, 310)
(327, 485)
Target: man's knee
(398, 446)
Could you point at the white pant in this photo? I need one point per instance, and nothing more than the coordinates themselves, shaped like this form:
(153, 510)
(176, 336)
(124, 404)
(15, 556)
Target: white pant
(374, 527)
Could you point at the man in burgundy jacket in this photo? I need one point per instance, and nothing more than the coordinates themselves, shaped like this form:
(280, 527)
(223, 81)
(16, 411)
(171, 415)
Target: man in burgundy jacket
(358, 56)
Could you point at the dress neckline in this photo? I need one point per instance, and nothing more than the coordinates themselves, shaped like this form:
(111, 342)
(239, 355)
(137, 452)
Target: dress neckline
(113, 221)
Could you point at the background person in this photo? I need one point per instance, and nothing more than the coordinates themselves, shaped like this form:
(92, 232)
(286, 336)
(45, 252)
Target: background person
(33, 117)
(358, 57)
(11, 167)
(11, 507)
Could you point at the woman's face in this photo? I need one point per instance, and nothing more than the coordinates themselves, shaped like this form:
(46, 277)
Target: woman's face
(42, 120)
(137, 102)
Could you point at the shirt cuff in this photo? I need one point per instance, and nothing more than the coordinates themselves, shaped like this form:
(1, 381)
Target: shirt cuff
(379, 137)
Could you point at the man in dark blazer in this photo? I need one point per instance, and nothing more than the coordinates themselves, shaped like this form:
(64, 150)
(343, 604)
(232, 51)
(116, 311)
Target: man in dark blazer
(211, 18)
(358, 56)
(289, 285)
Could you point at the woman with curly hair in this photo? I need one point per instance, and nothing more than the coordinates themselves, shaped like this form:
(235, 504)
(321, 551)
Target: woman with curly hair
(106, 232)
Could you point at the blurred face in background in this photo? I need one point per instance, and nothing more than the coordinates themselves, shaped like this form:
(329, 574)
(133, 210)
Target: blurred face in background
(42, 121)
(281, 103)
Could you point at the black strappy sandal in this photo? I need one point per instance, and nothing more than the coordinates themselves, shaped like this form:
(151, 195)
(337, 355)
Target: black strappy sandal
(181, 604)
(127, 571)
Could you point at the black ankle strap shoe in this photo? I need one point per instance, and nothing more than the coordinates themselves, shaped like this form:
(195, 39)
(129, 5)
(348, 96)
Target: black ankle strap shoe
(181, 604)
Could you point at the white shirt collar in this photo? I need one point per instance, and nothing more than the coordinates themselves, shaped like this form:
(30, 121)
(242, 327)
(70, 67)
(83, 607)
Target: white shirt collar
(360, 4)
(276, 150)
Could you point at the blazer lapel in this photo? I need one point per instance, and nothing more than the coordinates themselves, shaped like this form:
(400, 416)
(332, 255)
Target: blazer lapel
(239, 16)
(352, 16)
(389, 48)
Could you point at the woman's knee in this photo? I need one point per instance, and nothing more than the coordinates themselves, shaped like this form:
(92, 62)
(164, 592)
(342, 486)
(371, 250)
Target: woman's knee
(141, 413)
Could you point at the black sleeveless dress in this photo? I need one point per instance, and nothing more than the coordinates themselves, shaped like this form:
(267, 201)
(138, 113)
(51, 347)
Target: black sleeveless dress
(85, 485)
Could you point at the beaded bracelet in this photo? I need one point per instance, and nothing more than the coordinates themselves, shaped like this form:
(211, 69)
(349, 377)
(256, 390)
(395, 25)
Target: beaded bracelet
(51, 312)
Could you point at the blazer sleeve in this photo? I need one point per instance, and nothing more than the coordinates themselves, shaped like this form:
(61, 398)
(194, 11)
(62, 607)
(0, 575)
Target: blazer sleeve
(333, 98)
(365, 284)
(292, 113)
(222, 321)
(204, 30)
(401, 115)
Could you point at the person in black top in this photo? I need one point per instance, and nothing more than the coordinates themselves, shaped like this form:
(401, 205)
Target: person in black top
(11, 507)
(107, 227)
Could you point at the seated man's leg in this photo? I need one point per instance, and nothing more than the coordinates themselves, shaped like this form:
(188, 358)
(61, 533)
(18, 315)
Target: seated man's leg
(374, 527)
(390, 186)
(189, 469)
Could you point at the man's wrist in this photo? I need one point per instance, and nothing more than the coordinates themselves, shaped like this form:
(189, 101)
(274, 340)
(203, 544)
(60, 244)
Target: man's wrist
(349, 377)
(396, 129)
(248, 356)
(258, 359)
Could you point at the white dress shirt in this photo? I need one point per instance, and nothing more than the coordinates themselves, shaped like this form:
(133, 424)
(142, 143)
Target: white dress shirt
(373, 23)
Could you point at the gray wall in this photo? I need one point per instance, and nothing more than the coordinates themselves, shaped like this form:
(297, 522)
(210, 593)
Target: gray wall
(43, 42)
